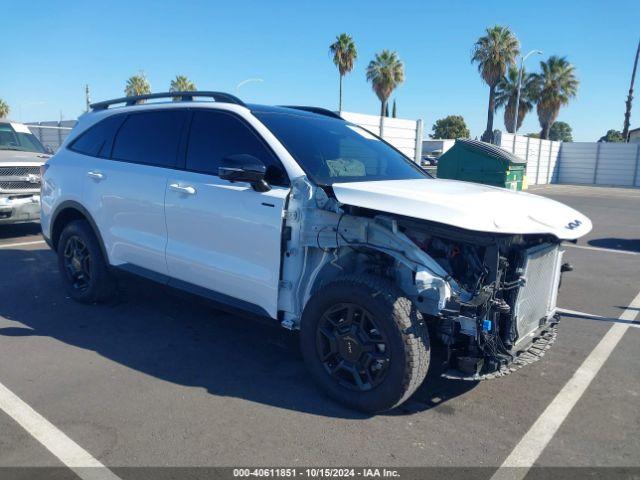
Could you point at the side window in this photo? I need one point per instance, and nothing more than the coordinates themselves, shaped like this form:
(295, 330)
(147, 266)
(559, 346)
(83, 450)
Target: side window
(151, 138)
(216, 135)
(96, 141)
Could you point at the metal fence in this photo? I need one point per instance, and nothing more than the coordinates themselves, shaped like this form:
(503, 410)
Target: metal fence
(594, 163)
(405, 135)
(53, 133)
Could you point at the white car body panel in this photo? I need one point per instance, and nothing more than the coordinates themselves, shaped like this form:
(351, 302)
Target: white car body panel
(127, 204)
(467, 205)
(226, 237)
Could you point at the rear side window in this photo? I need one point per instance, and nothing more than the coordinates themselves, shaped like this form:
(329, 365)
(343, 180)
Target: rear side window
(216, 135)
(96, 141)
(151, 138)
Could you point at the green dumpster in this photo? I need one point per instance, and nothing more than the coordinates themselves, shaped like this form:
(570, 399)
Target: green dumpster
(475, 161)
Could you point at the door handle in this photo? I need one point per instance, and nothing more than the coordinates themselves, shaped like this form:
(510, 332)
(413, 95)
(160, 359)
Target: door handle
(95, 175)
(188, 189)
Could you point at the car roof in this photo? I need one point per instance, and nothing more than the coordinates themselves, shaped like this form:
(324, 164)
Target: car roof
(303, 111)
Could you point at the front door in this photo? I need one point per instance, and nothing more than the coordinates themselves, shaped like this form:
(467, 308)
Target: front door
(225, 238)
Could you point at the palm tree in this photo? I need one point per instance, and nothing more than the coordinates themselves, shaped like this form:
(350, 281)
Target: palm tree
(494, 53)
(4, 109)
(344, 56)
(555, 85)
(385, 72)
(506, 93)
(181, 84)
(137, 85)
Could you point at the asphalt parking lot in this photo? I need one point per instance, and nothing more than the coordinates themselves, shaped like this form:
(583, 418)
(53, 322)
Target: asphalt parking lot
(158, 378)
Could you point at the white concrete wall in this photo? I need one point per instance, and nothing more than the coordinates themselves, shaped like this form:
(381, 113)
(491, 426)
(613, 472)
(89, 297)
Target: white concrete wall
(405, 135)
(600, 163)
(541, 156)
(616, 164)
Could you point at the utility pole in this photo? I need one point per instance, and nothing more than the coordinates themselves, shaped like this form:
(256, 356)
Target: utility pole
(517, 112)
(87, 98)
(627, 113)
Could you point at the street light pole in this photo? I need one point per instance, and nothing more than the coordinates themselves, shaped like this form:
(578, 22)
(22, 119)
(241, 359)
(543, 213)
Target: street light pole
(517, 110)
(627, 113)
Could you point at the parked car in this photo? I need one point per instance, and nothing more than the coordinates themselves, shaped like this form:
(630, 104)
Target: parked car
(429, 161)
(21, 156)
(294, 214)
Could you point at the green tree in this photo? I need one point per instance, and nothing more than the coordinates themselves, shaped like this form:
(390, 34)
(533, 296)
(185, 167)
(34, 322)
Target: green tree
(4, 109)
(344, 56)
(494, 53)
(612, 136)
(137, 85)
(452, 126)
(506, 96)
(181, 84)
(561, 132)
(555, 85)
(385, 72)
(533, 135)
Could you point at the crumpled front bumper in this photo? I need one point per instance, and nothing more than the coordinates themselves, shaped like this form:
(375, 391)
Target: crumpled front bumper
(17, 209)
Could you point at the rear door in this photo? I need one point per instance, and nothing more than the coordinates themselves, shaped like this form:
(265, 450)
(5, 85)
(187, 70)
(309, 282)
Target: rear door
(125, 192)
(224, 238)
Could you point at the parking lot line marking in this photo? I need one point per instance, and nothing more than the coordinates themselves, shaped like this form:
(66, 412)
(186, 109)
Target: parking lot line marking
(21, 244)
(601, 249)
(591, 316)
(66, 450)
(531, 446)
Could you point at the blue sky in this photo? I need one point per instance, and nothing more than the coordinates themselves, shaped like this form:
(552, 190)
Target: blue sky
(52, 49)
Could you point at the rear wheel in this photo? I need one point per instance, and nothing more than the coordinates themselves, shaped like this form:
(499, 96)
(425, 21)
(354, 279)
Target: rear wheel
(82, 265)
(364, 343)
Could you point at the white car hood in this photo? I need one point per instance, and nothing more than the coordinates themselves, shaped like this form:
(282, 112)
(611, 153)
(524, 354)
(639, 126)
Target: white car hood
(467, 205)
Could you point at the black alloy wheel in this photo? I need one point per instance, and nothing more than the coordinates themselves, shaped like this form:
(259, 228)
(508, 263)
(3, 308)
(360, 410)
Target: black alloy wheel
(352, 347)
(77, 263)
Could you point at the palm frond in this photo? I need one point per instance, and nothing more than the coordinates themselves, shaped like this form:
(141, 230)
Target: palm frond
(4, 109)
(385, 72)
(344, 53)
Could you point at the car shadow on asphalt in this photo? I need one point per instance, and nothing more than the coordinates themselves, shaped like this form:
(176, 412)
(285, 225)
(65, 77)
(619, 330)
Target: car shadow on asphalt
(19, 230)
(624, 244)
(182, 339)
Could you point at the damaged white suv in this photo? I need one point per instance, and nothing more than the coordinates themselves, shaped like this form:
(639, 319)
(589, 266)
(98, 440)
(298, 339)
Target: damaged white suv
(293, 213)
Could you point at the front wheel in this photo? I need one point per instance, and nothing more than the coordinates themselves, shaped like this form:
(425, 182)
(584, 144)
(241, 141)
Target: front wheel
(364, 343)
(82, 265)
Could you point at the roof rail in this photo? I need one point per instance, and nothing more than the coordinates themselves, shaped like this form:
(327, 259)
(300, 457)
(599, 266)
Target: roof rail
(184, 96)
(318, 110)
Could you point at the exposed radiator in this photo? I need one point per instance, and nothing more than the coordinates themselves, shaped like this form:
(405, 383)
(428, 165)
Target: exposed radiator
(536, 300)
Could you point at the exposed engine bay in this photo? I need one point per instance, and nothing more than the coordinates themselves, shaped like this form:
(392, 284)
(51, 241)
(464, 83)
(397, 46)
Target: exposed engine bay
(488, 327)
(489, 298)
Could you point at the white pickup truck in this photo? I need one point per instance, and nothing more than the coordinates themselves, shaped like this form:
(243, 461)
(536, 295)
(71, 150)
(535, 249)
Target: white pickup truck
(21, 156)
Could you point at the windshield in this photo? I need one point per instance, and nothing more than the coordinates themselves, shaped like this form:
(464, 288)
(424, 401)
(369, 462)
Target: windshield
(332, 151)
(11, 139)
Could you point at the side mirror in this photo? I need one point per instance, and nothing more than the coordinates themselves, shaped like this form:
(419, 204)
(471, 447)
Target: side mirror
(49, 149)
(244, 168)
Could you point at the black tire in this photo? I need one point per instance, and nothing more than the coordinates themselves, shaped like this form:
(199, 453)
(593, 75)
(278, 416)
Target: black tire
(397, 321)
(94, 283)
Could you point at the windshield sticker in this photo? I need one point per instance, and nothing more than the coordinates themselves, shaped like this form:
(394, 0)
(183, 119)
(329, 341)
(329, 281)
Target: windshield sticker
(346, 168)
(20, 128)
(362, 132)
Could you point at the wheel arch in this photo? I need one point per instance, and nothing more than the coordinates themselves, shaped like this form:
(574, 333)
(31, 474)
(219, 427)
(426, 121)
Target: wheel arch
(70, 211)
(348, 263)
